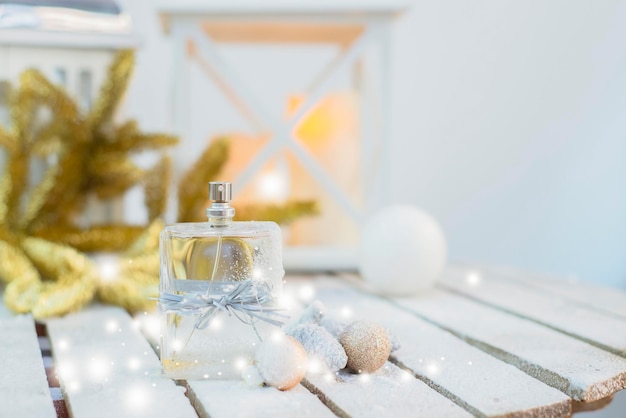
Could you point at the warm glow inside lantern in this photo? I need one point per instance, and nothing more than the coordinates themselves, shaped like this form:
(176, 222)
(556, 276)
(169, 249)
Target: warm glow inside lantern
(300, 88)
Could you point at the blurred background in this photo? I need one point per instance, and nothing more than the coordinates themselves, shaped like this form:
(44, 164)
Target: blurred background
(502, 120)
(506, 125)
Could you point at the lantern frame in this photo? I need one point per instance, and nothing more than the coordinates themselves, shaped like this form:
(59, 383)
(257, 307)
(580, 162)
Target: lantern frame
(352, 26)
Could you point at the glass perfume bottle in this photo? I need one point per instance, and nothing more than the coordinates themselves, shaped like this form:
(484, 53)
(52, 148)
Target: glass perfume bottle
(220, 281)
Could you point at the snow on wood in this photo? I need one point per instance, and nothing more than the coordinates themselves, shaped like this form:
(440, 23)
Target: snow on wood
(584, 372)
(601, 330)
(389, 391)
(23, 389)
(233, 399)
(107, 368)
(480, 383)
(604, 299)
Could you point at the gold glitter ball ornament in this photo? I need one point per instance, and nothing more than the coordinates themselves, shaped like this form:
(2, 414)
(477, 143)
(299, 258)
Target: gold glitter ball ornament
(367, 345)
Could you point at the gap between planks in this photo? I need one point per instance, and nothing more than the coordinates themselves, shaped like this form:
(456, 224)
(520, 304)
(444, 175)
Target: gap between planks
(53, 383)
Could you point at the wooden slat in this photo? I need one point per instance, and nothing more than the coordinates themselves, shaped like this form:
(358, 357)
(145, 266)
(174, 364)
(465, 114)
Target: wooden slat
(233, 399)
(107, 368)
(389, 391)
(482, 384)
(601, 330)
(4, 311)
(582, 371)
(603, 299)
(23, 388)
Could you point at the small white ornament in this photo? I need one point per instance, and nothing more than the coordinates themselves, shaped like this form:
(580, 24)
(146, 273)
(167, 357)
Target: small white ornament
(402, 251)
(281, 361)
(320, 345)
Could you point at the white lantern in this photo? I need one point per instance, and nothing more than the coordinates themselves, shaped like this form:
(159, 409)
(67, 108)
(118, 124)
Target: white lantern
(72, 43)
(302, 87)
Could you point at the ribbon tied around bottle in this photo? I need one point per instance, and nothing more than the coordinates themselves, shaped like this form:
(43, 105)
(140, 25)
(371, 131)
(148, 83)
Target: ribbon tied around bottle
(249, 302)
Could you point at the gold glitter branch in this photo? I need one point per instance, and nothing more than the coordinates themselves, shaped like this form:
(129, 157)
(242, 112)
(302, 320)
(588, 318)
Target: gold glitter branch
(59, 184)
(71, 280)
(137, 279)
(112, 174)
(279, 213)
(45, 272)
(108, 238)
(156, 185)
(113, 89)
(192, 189)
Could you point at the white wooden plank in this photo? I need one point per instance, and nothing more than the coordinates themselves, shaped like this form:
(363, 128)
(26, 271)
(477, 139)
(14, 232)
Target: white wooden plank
(601, 330)
(234, 399)
(582, 371)
(604, 299)
(23, 389)
(4, 311)
(388, 392)
(107, 369)
(475, 380)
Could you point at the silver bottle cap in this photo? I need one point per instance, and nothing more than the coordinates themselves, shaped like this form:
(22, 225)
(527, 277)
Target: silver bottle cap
(220, 194)
(220, 191)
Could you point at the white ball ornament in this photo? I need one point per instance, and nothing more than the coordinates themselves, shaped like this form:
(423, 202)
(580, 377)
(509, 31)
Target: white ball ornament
(402, 251)
(281, 361)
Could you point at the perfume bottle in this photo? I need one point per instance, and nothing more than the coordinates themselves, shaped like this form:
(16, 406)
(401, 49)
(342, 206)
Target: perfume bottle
(219, 286)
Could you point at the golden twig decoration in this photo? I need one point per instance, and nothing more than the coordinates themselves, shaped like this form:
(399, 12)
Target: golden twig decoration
(279, 213)
(192, 189)
(86, 154)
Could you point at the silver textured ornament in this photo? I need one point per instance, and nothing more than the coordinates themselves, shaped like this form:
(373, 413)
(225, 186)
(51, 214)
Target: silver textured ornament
(321, 345)
(313, 314)
(334, 326)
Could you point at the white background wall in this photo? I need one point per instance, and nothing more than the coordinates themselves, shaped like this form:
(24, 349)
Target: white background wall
(508, 126)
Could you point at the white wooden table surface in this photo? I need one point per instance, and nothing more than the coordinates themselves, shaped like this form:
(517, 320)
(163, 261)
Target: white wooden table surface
(485, 342)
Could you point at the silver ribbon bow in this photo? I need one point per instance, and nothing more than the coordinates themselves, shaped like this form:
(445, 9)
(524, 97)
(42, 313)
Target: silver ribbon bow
(248, 302)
